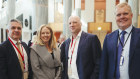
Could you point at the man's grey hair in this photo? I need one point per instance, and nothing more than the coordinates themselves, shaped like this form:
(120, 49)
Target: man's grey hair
(13, 20)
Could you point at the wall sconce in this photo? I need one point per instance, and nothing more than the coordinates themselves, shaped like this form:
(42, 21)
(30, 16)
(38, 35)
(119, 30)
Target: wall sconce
(99, 28)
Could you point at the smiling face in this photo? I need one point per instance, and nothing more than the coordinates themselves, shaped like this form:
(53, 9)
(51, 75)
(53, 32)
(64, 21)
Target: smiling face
(45, 35)
(123, 17)
(15, 30)
(74, 24)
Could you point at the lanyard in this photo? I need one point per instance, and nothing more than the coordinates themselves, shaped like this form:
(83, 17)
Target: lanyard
(72, 49)
(125, 41)
(22, 56)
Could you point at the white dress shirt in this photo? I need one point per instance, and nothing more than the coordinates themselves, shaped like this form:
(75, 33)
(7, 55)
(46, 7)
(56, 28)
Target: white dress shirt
(72, 68)
(24, 52)
(124, 68)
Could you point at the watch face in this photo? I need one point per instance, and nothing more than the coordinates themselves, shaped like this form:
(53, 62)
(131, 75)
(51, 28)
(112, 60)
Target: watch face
(26, 22)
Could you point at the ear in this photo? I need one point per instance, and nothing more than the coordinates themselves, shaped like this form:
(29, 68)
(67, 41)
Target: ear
(132, 15)
(80, 23)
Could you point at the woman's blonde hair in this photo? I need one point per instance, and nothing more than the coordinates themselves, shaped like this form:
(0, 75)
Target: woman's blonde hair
(52, 41)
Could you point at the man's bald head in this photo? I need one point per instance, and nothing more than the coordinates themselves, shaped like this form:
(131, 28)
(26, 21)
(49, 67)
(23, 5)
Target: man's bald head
(75, 24)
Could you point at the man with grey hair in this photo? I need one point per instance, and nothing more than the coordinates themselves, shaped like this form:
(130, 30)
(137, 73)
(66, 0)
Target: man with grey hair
(80, 54)
(121, 50)
(61, 39)
(14, 54)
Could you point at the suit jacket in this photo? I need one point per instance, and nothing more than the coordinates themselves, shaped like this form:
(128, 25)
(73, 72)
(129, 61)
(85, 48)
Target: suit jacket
(108, 61)
(29, 43)
(9, 63)
(43, 65)
(88, 56)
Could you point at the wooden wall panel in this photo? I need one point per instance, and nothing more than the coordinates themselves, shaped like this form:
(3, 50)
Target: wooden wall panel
(57, 35)
(139, 21)
(82, 4)
(104, 27)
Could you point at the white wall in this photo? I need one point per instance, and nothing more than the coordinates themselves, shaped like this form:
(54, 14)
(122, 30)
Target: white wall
(50, 11)
(25, 7)
(3, 21)
(77, 3)
(87, 15)
(3, 16)
(110, 13)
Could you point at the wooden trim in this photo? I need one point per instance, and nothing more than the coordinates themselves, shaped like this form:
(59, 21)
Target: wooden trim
(82, 4)
(95, 16)
(99, 0)
(106, 26)
(139, 21)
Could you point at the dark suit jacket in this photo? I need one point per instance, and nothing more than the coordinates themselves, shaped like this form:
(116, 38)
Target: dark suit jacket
(9, 63)
(108, 60)
(29, 44)
(88, 56)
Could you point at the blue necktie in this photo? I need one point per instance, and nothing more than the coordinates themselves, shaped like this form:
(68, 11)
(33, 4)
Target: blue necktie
(120, 48)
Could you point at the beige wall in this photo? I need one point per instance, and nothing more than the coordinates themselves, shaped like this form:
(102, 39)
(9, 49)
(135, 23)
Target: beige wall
(57, 27)
(139, 21)
(139, 6)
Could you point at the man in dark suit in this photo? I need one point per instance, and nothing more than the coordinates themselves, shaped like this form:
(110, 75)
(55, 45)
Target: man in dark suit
(121, 49)
(80, 53)
(14, 54)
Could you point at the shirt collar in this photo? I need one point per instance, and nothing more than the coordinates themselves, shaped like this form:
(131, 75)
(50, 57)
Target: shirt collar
(79, 35)
(128, 30)
(15, 42)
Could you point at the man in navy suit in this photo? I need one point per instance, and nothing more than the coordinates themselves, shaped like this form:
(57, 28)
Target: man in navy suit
(80, 53)
(14, 54)
(124, 63)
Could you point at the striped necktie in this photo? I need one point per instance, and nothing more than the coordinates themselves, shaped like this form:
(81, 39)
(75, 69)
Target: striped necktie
(120, 49)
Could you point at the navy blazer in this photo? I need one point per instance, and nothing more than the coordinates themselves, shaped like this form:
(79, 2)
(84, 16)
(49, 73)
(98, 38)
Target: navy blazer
(88, 56)
(9, 63)
(108, 60)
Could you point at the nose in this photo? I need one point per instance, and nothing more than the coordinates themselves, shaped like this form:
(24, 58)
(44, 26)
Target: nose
(122, 16)
(46, 34)
(16, 29)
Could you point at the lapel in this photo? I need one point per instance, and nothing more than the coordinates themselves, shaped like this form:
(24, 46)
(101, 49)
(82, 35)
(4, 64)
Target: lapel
(67, 47)
(82, 38)
(114, 43)
(25, 47)
(12, 51)
(134, 39)
(12, 55)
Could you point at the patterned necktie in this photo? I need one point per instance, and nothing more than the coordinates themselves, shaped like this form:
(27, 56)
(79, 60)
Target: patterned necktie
(19, 57)
(25, 74)
(120, 49)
